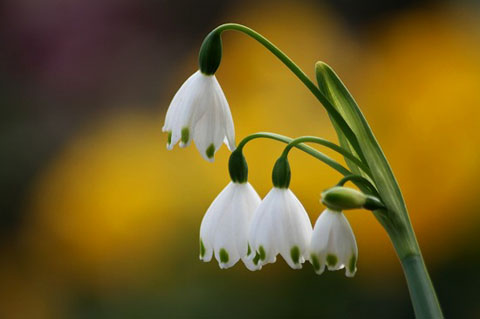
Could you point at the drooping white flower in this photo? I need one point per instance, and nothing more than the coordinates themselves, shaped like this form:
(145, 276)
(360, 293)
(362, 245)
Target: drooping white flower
(224, 227)
(200, 111)
(333, 244)
(280, 225)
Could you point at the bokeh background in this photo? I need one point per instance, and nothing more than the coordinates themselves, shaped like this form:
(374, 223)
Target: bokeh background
(98, 220)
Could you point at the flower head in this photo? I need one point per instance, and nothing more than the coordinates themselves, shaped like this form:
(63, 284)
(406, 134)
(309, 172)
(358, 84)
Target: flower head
(333, 244)
(224, 227)
(280, 225)
(200, 111)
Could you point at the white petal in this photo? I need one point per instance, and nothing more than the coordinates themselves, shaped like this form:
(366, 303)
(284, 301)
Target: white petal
(343, 244)
(229, 130)
(296, 229)
(262, 235)
(320, 236)
(209, 132)
(182, 108)
(211, 219)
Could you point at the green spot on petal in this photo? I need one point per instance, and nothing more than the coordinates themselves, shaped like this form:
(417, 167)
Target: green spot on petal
(202, 249)
(255, 259)
(261, 253)
(185, 135)
(331, 260)
(223, 256)
(169, 137)
(249, 251)
(210, 151)
(295, 254)
(352, 263)
(315, 262)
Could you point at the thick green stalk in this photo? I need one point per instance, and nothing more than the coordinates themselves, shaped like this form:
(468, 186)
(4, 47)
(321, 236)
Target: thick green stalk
(425, 303)
(301, 75)
(422, 293)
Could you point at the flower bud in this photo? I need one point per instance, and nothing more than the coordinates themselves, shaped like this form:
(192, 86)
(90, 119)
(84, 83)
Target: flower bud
(341, 198)
(210, 54)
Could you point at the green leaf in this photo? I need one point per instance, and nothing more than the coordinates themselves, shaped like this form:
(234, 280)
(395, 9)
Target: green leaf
(395, 218)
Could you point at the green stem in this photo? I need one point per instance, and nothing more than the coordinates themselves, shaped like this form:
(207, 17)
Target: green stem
(326, 143)
(359, 179)
(302, 76)
(307, 149)
(422, 293)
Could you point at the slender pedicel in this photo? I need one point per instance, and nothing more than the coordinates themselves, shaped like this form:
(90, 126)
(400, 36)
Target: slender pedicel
(333, 146)
(305, 148)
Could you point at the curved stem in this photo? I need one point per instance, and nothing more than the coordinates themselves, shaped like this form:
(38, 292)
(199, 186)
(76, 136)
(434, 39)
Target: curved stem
(307, 149)
(359, 179)
(337, 117)
(326, 143)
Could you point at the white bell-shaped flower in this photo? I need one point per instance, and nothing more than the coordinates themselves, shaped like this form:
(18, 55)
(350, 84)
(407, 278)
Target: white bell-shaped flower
(224, 227)
(280, 225)
(200, 111)
(333, 244)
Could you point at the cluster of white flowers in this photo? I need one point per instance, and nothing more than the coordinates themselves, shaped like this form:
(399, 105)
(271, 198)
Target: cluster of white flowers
(238, 224)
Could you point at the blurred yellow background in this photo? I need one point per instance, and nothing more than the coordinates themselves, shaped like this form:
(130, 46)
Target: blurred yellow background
(112, 217)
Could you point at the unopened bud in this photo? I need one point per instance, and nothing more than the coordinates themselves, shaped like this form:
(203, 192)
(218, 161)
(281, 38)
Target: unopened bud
(342, 198)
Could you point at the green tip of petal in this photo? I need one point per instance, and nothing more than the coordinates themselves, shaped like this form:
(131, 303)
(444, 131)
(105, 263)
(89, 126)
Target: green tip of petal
(315, 262)
(223, 256)
(256, 259)
(202, 249)
(295, 254)
(332, 260)
(249, 250)
(210, 151)
(185, 135)
(169, 138)
(352, 264)
(261, 253)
